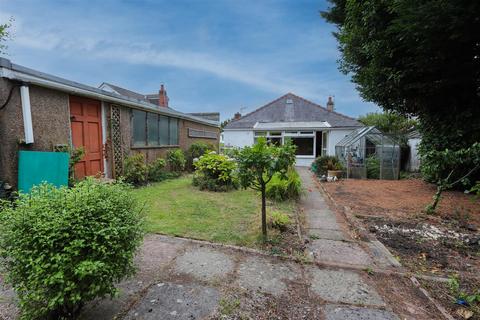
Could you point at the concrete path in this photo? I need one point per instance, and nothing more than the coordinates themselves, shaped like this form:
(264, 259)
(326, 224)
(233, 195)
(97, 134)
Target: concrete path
(330, 242)
(185, 279)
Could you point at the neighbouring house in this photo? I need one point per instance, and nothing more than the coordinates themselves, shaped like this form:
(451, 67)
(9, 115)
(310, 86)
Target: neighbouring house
(315, 130)
(42, 112)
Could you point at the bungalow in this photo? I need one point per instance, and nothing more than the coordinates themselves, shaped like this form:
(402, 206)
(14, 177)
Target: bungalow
(42, 112)
(315, 130)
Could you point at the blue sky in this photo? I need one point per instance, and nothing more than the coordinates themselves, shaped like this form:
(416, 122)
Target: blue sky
(224, 56)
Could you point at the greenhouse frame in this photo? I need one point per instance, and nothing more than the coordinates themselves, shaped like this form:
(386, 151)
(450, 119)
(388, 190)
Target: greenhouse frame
(368, 153)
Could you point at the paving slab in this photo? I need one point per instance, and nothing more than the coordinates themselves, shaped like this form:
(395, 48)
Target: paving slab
(340, 286)
(327, 234)
(341, 252)
(259, 274)
(318, 222)
(156, 252)
(336, 312)
(168, 301)
(204, 263)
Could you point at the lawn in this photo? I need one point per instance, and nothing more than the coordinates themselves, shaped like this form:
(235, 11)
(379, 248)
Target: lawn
(175, 207)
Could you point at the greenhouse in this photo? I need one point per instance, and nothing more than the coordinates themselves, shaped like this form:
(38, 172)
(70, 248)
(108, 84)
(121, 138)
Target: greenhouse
(369, 153)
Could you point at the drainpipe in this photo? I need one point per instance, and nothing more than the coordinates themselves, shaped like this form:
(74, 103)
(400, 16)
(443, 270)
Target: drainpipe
(27, 113)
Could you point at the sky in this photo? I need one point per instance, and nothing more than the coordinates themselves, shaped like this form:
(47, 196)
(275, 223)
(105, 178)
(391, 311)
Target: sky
(212, 55)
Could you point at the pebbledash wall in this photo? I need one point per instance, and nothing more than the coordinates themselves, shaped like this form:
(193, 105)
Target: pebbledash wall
(50, 119)
(51, 127)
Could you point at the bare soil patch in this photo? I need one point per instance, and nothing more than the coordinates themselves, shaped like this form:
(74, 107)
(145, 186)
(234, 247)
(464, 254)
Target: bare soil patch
(446, 244)
(402, 199)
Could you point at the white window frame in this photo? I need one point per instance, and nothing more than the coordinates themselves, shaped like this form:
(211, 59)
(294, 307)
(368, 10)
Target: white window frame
(289, 134)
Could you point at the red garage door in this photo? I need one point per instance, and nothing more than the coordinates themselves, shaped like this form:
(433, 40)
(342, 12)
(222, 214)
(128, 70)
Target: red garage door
(86, 122)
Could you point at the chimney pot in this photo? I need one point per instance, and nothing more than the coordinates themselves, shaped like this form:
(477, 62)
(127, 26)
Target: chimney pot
(162, 97)
(237, 116)
(330, 104)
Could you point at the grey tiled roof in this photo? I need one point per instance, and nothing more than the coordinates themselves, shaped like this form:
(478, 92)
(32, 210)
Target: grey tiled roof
(17, 72)
(299, 110)
(126, 93)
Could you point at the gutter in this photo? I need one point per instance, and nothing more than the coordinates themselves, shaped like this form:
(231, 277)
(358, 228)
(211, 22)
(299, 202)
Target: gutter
(6, 71)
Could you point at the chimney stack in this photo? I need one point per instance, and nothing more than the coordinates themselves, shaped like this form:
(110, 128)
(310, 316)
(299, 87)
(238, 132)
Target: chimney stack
(237, 116)
(162, 97)
(330, 104)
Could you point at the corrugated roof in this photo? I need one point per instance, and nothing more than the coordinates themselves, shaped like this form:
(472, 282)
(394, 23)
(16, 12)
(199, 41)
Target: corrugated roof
(297, 109)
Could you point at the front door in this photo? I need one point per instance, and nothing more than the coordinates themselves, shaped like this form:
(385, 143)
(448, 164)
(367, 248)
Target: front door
(86, 122)
(318, 144)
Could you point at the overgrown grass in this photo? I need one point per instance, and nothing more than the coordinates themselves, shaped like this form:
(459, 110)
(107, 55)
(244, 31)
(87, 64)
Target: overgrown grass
(177, 208)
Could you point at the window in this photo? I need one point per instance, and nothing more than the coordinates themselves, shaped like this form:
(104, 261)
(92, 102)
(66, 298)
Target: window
(153, 130)
(275, 141)
(164, 132)
(197, 133)
(173, 131)
(324, 142)
(139, 128)
(304, 146)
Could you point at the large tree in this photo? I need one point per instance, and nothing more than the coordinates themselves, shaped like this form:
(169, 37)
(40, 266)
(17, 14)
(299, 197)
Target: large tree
(5, 35)
(419, 58)
(390, 123)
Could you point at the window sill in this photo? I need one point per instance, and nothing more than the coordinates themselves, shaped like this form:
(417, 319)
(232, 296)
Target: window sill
(155, 147)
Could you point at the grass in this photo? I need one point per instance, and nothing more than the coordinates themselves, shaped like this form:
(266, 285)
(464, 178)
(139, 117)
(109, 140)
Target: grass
(175, 207)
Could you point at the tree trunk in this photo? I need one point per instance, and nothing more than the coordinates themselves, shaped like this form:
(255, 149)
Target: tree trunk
(264, 213)
(436, 198)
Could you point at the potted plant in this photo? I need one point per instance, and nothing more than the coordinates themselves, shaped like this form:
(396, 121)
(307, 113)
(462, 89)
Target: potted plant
(334, 169)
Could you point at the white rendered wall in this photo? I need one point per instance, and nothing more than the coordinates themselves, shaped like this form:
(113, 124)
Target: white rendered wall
(334, 137)
(414, 159)
(237, 138)
(303, 161)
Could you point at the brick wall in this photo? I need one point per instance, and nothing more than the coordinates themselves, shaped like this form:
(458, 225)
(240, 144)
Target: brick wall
(152, 153)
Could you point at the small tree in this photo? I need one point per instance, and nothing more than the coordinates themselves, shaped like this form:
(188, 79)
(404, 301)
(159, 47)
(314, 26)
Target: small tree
(439, 161)
(258, 164)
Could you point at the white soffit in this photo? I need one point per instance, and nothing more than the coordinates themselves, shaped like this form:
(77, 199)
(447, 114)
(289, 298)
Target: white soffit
(291, 125)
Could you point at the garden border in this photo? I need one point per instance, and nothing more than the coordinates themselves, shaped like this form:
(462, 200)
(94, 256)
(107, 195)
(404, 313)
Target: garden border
(363, 233)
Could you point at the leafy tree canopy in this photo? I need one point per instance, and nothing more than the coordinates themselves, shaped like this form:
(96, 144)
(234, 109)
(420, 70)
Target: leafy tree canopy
(418, 58)
(390, 123)
(5, 35)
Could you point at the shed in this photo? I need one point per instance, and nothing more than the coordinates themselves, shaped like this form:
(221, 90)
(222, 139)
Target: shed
(368, 153)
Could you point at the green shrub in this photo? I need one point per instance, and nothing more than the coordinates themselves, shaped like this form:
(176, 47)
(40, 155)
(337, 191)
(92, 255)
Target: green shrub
(135, 170)
(284, 188)
(195, 151)
(279, 220)
(324, 163)
(176, 160)
(64, 247)
(372, 164)
(156, 170)
(215, 172)
(75, 155)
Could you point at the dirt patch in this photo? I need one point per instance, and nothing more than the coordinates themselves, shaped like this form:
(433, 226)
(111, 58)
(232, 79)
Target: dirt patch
(402, 199)
(446, 245)
(427, 248)
(443, 293)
